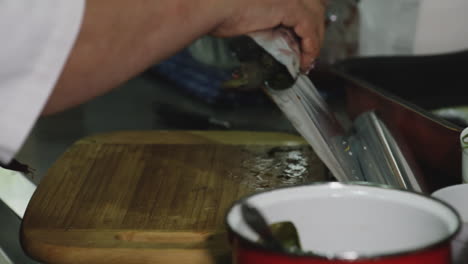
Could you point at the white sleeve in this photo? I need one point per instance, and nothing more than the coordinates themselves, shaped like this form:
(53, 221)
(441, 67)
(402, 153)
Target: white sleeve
(37, 37)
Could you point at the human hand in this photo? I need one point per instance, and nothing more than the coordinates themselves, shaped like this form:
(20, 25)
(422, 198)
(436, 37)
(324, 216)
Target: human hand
(305, 17)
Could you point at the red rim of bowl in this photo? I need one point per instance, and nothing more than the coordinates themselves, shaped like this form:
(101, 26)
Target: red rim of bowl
(345, 256)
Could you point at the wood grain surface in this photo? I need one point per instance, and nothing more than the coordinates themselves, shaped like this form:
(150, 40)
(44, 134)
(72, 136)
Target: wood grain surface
(156, 196)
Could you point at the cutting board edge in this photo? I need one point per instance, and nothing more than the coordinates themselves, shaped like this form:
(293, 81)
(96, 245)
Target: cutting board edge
(50, 252)
(194, 137)
(75, 255)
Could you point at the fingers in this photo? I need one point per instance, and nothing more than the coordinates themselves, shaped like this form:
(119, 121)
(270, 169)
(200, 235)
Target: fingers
(307, 20)
(305, 17)
(309, 53)
(311, 38)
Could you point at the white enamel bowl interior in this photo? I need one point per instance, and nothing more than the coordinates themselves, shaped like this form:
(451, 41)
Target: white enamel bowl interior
(457, 197)
(338, 220)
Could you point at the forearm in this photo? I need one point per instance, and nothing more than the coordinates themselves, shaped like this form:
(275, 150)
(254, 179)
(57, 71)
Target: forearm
(121, 38)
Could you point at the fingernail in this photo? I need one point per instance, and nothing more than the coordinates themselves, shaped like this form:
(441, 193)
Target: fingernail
(310, 68)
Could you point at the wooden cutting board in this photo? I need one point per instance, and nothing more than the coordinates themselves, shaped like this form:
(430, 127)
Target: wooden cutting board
(156, 196)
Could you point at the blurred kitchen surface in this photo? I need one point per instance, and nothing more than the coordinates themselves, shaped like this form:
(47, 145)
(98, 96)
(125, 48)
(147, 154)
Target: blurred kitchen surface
(409, 27)
(150, 102)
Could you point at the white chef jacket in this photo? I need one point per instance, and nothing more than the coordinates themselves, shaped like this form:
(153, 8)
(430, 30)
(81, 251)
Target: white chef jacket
(36, 38)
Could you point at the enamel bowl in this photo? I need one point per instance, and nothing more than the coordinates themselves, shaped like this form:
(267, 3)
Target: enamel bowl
(355, 223)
